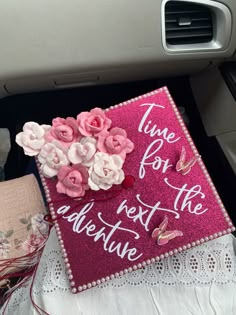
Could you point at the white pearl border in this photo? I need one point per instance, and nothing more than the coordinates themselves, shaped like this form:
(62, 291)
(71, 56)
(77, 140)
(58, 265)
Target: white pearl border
(57, 228)
(153, 259)
(200, 162)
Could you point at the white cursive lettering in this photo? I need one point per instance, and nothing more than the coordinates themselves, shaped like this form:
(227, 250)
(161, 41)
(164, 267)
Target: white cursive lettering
(151, 159)
(188, 195)
(153, 130)
(106, 233)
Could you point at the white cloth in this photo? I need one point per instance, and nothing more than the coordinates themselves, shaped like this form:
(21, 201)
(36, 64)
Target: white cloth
(200, 281)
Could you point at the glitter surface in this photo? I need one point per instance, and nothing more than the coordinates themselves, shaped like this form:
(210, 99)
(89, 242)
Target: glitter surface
(106, 237)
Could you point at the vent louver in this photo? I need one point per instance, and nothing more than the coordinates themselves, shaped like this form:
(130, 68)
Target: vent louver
(187, 23)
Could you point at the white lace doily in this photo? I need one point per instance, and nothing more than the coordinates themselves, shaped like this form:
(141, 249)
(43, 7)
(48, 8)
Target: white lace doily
(212, 262)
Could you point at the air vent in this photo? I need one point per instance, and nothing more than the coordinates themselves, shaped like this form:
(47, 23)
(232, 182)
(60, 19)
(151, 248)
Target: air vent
(187, 23)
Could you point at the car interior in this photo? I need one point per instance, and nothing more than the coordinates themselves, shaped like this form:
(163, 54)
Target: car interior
(61, 58)
(86, 55)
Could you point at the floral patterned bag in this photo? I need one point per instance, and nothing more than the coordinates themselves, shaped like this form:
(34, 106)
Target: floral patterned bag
(23, 230)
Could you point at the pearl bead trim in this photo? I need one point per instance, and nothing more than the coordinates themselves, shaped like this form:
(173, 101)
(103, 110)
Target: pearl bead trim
(200, 162)
(58, 231)
(163, 255)
(147, 262)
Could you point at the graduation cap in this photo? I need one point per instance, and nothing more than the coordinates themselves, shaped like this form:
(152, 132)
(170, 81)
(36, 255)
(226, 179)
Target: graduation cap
(126, 187)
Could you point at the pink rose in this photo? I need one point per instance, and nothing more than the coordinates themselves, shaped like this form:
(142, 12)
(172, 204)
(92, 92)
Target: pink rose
(52, 157)
(64, 130)
(93, 123)
(115, 142)
(72, 180)
(83, 151)
(32, 138)
(106, 171)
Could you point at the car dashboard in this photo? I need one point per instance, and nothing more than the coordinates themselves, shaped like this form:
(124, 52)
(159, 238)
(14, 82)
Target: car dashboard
(49, 45)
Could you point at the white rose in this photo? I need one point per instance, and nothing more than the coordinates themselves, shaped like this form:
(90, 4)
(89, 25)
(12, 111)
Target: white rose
(31, 139)
(105, 171)
(52, 157)
(83, 152)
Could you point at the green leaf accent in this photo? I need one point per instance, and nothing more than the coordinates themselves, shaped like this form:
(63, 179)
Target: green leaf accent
(2, 234)
(29, 217)
(9, 233)
(23, 221)
(29, 226)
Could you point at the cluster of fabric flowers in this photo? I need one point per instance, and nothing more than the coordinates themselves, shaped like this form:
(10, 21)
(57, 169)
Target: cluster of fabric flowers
(84, 153)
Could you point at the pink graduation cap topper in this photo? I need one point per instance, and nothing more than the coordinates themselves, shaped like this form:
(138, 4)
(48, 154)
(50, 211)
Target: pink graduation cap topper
(131, 188)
